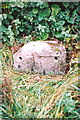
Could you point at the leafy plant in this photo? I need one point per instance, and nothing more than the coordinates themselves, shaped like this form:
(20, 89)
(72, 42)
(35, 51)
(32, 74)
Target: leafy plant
(30, 15)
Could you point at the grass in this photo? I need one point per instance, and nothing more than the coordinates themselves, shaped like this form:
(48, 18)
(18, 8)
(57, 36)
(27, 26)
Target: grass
(37, 96)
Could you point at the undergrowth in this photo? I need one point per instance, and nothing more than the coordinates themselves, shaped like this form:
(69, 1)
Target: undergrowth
(37, 96)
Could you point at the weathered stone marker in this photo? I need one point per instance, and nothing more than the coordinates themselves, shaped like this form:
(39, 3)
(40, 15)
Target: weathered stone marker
(41, 57)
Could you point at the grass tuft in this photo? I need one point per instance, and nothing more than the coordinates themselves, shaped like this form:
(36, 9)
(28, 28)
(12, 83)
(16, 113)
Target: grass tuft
(37, 96)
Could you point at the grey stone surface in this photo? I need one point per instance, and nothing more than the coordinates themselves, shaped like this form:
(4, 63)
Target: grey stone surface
(43, 57)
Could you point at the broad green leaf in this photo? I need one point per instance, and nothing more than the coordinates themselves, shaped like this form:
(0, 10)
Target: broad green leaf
(75, 13)
(21, 29)
(35, 10)
(66, 17)
(44, 14)
(42, 36)
(55, 9)
(71, 20)
(62, 22)
(47, 12)
(20, 4)
(66, 4)
(24, 12)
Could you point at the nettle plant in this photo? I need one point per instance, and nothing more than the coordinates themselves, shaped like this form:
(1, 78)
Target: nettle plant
(40, 20)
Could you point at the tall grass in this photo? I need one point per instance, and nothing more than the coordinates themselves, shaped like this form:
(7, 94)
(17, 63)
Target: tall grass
(37, 96)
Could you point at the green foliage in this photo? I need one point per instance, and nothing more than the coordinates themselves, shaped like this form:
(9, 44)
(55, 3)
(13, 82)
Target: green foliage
(55, 9)
(68, 103)
(39, 19)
